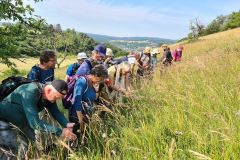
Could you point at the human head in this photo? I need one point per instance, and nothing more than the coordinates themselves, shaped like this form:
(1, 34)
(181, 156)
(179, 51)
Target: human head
(147, 50)
(99, 52)
(48, 59)
(56, 90)
(164, 46)
(109, 52)
(155, 51)
(98, 73)
(180, 48)
(81, 57)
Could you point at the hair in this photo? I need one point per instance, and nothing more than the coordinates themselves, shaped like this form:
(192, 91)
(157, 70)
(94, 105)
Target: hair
(45, 56)
(99, 71)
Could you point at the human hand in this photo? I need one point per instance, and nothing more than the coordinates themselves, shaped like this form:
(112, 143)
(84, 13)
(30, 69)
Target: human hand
(68, 134)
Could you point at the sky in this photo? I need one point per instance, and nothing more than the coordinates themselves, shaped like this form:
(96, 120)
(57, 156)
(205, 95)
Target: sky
(150, 18)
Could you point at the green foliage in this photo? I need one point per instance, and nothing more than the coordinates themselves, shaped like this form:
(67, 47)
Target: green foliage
(233, 20)
(116, 51)
(15, 10)
(11, 35)
(221, 23)
(216, 25)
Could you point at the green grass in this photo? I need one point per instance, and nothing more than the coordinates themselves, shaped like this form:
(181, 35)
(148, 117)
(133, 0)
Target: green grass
(191, 110)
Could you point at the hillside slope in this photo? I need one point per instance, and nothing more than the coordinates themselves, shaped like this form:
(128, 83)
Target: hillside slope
(189, 111)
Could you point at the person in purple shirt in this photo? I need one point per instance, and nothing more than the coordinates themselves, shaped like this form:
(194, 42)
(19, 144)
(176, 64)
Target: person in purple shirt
(84, 94)
(98, 54)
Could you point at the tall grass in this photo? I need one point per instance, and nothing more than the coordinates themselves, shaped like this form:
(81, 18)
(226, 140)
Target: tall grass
(190, 110)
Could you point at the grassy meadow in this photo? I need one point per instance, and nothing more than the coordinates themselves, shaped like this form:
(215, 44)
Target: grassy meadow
(190, 110)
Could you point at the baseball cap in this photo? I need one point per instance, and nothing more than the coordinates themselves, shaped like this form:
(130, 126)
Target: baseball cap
(101, 48)
(60, 86)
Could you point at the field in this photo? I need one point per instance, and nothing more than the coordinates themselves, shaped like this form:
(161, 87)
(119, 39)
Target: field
(190, 110)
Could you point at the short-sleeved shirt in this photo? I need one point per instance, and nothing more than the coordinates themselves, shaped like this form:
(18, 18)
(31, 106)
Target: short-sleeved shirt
(41, 75)
(83, 92)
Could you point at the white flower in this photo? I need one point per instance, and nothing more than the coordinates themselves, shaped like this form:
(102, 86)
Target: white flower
(104, 135)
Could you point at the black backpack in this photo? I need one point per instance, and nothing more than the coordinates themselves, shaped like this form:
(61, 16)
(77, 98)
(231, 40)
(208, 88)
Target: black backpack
(10, 84)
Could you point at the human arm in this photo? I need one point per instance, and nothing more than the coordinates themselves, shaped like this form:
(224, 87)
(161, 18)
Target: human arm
(57, 115)
(79, 88)
(29, 100)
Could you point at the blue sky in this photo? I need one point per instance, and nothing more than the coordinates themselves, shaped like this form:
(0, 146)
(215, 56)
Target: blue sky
(152, 18)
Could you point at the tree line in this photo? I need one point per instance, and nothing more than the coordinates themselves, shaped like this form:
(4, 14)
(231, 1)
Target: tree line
(220, 23)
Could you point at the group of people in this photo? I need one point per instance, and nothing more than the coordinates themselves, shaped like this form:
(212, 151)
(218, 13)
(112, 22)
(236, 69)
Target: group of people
(22, 112)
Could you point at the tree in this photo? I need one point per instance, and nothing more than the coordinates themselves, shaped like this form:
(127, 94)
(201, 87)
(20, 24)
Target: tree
(16, 11)
(196, 28)
(233, 20)
(216, 25)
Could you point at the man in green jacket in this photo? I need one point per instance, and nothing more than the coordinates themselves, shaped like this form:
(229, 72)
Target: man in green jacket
(20, 109)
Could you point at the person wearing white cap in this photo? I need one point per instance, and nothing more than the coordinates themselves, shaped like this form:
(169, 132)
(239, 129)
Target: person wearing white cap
(72, 69)
(108, 58)
(154, 57)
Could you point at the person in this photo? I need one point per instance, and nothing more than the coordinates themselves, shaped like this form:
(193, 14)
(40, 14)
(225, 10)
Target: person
(118, 78)
(109, 58)
(72, 69)
(98, 55)
(177, 54)
(164, 46)
(20, 109)
(84, 94)
(167, 57)
(44, 72)
(154, 57)
(145, 62)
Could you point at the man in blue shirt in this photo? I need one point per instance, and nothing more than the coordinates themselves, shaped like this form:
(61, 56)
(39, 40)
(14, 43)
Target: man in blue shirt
(98, 54)
(44, 72)
(72, 69)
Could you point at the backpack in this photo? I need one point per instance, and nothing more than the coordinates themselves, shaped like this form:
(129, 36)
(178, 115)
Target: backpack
(169, 56)
(75, 68)
(67, 100)
(10, 84)
(89, 64)
(39, 73)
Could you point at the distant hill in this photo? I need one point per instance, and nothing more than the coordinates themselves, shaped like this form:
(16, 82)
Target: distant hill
(130, 43)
